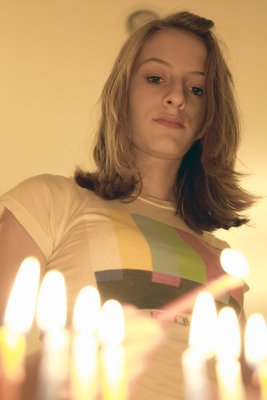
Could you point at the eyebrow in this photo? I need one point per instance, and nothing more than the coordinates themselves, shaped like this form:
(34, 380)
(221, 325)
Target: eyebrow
(160, 61)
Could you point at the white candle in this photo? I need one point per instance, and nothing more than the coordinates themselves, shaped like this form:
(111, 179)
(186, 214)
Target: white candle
(18, 319)
(234, 263)
(201, 347)
(228, 349)
(84, 360)
(51, 319)
(111, 332)
(256, 349)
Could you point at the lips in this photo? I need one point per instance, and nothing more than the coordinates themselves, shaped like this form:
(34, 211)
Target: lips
(170, 121)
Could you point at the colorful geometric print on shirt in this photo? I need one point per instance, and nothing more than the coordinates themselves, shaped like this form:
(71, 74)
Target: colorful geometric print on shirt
(167, 263)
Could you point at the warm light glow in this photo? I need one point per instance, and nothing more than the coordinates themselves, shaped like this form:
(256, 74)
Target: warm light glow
(228, 347)
(195, 375)
(52, 302)
(22, 301)
(114, 386)
(111, 333)
(84, 366)
(111, 327)
(84, 356)
(228, 342)
(203, 325)
(234, 263)
(255, 339)
(87, 310)
(230, 379)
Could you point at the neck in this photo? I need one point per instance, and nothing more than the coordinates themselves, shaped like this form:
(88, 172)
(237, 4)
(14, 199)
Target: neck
(158, 178)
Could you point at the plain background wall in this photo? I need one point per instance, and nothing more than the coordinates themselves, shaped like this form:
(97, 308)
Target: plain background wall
(54, 58)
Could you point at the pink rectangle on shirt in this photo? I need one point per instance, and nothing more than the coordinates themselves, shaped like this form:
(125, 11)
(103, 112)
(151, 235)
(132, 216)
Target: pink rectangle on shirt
(165, 279)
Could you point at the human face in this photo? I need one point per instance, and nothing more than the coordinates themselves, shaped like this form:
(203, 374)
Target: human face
(166, 95)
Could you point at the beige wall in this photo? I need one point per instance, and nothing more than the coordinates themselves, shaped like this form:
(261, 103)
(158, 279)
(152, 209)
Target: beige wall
(54, 58)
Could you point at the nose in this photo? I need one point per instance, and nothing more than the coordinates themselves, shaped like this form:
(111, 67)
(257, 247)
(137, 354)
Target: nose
(175, 97)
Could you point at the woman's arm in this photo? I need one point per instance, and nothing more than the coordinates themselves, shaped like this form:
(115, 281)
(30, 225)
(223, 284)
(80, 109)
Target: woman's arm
(15, 245)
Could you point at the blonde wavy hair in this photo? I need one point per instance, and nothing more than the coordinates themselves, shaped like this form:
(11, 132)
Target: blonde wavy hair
(208, 195)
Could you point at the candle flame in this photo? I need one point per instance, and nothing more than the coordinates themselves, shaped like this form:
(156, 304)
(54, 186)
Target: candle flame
(203, 325)
(87, 310)
(234, 263)
(255, 339)
(111, 327)
(52, 302)
(228, 343)
(21, 305)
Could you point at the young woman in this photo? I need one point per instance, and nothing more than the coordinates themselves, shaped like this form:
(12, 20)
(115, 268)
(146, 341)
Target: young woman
(139, 226)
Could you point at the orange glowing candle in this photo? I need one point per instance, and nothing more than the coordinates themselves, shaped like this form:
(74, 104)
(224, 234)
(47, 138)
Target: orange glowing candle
(201, 347)
(256, 349)
(84, 355)
(233, 263)
(228, 349)
(18, 319)
(111, 332)
(51, 319)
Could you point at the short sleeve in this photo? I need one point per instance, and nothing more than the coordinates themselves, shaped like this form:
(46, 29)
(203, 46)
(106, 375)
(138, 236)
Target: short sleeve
(40, 204)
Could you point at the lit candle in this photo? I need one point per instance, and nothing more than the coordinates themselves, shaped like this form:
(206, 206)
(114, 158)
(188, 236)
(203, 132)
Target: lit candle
(111, 333)
(51, 319)
(234, 263)
(228, 349)
(84, 360)
(201, 347)
(256, 349)
(18, 319)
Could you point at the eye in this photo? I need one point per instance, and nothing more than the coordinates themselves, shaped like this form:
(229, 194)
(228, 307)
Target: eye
(197, 91)
(154, 79)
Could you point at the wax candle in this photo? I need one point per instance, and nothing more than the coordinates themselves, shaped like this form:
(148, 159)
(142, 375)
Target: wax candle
(51, 320)
(201, 347)
(111, 333)
(228, 347)
(84, 359)
(18, 319)
(233, 262)
(256, 349)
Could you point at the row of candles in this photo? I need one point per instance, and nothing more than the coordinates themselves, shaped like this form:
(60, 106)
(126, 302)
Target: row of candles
(218, 335)
(89, 359)
(70, 360)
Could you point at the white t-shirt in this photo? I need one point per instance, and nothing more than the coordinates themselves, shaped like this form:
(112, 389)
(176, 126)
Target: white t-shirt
(88, 239)
(138, 251)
